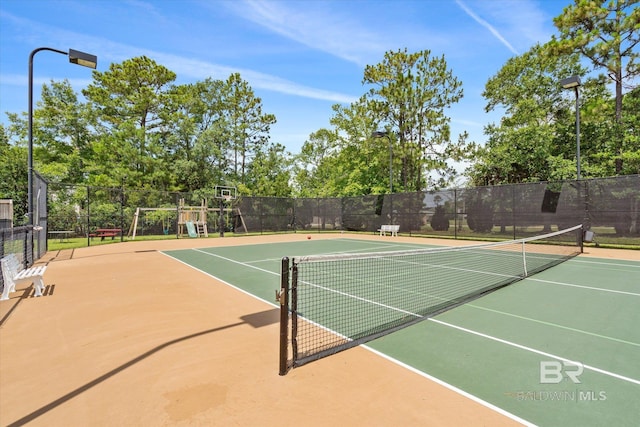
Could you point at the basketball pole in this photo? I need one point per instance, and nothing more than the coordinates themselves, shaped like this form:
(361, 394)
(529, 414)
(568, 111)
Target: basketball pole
(222, 217)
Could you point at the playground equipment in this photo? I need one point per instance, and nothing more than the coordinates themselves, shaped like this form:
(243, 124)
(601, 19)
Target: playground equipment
(193, 219)
(136, 217)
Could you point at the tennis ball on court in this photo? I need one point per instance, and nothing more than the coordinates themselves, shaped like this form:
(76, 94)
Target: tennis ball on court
(309, 237)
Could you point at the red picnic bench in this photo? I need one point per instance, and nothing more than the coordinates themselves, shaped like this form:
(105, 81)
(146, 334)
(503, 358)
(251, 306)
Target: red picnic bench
(106, 232)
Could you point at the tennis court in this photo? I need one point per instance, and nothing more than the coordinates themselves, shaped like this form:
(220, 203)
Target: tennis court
(185, 332)
(557, 348)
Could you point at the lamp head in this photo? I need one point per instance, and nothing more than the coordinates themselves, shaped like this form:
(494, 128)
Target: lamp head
(84, 59)
(570, 82)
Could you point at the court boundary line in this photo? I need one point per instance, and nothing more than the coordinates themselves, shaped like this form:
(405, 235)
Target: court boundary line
(533, 350)
(543, 322)
(218, 278)
(583, 287)
(451, 387)
(522, 347)
(610, 264)
(448, 386)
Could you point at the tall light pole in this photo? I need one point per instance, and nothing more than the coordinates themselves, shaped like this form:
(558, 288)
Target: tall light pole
(385, 134)
(75, 57)
(573, 82)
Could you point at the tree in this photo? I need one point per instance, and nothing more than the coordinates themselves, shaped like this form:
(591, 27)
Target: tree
(13, 173)
(631, 130)
(361, 161)
(269, 173)
(248, 126)
(409, 95)
(197, 138)
(129, 99)
(314, 166)
(606, 32)
(529, 144)
(63, 133)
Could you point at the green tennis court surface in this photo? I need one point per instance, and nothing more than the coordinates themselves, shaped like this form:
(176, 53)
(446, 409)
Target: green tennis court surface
(558, 348)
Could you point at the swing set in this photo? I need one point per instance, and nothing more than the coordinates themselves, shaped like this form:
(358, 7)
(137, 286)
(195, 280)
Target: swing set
(193, 219)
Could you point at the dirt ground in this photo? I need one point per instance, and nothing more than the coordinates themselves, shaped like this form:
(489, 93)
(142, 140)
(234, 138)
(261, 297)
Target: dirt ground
(126, 336)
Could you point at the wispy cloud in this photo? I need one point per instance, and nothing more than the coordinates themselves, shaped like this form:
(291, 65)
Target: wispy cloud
(314, 25)
(487, 25)
(202, 69)
(186, 68)
(23, 80)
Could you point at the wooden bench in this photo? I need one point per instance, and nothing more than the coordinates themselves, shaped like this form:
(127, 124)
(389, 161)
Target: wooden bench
(106, 232)
(13, 273)
(388, 228)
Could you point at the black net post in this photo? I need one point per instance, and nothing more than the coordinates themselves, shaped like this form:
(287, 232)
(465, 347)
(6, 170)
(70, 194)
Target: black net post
(283, 298)
(221, 217)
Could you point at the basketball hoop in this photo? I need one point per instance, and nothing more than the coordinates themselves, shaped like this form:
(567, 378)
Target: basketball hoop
(225, 194)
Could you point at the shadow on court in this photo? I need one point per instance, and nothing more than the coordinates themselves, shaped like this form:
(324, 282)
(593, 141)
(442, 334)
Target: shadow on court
(255, 320)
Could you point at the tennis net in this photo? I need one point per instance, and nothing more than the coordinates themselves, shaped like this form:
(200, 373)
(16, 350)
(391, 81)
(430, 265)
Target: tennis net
(333, 302)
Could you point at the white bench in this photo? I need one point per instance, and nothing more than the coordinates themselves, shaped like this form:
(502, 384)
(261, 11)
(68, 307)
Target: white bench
(388, 228)
(14, 273)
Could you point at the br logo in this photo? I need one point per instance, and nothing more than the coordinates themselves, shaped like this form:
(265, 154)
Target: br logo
(553, 371)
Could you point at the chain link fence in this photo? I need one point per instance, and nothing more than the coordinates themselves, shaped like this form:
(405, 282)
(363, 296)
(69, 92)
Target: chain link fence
(608, 206)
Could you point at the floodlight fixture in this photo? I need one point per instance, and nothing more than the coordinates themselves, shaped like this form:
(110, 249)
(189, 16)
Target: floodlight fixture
(570, 82)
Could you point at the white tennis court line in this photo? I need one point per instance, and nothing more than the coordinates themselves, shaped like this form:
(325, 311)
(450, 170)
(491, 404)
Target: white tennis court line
(584, 287)
(348, 251)
(222, 280)
(389, 358)
(605, 264)
(235, 262)
(452, 388)
(533, 350)
(555, 325)
(602, 371)
(449, 386)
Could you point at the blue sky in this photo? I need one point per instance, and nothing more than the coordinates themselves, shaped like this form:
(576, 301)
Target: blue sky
(300, 57)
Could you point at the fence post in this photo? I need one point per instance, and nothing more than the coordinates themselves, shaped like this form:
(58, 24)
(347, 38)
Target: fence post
(283, 299)
(88, 217)
(455, 213)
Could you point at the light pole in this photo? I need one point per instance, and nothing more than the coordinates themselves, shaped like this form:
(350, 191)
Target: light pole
(573, 82)
(75, 57)
(385, 134)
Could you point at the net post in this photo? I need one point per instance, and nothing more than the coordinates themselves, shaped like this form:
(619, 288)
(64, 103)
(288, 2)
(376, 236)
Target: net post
(580, 236)
(524, 260)
(283, 297)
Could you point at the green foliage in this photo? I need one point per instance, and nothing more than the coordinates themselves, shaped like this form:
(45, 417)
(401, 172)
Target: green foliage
(13, 175)
(440, 219)
(536, 138)
(480, 212)
(409, 96)
(140, 130)
(607, 33)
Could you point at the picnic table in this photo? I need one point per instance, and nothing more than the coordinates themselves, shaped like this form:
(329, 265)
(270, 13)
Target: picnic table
(106, 232)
